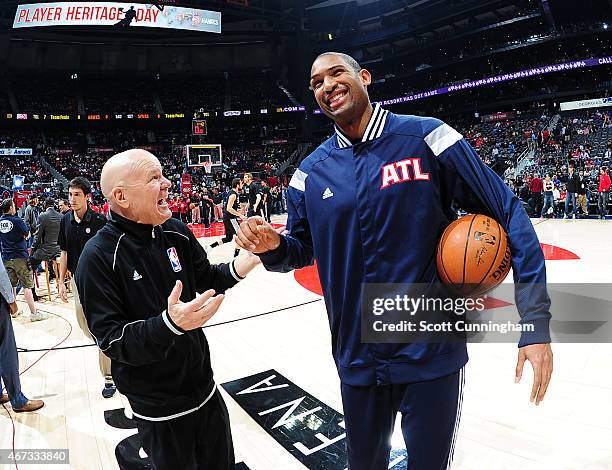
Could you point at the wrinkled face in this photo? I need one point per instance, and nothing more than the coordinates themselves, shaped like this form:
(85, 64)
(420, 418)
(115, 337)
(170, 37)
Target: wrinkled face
(77, 198)
(340, 91)
(148, 193)
(62, 206)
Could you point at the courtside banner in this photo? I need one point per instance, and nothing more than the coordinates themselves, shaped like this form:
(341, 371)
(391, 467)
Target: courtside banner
(116, 14)
(584, 104)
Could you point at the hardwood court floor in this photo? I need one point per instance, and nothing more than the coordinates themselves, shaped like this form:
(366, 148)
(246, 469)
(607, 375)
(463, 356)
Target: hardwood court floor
(271, 323)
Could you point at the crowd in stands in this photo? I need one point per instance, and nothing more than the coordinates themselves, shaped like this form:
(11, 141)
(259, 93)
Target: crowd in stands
(256, 89)
(5, 106)
(178, 95)
(481, 46)
(27, 166)
(151, 95)
(505, 140)
(56, 100)
(393, 80)
(123, 96)
(25, 138)
(245, 147)
(582, 141)
(580, 144)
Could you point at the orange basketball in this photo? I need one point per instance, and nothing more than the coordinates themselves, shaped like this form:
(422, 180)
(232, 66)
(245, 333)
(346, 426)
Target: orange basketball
(192, 206)
(473, 255)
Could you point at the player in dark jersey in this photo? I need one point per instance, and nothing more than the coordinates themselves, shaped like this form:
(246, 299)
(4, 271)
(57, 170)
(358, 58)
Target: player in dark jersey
(231, 215)
(253, 194)
(266, 201)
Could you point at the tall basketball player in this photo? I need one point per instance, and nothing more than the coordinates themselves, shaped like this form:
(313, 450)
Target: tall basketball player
(369, 204)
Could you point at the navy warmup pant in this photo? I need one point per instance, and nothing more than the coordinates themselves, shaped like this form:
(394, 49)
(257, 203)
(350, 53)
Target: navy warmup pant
(9, 359)
(430, 419)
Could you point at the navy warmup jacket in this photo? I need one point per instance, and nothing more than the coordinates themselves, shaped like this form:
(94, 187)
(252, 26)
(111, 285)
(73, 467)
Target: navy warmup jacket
(373, 211)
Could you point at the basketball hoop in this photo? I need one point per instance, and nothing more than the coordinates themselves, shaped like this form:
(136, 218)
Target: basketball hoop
(207, 167)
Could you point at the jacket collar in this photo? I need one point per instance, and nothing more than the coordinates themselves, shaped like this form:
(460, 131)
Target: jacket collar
(373, 130)
(140, 231)
(86, 217)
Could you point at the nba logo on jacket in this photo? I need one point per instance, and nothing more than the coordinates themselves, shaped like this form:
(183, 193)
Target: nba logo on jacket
(174, 260)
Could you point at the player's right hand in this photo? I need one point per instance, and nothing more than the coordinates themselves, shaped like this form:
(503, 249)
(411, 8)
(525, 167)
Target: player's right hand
(14, 308)
(257, 236)
(62, 292)
(194, 314)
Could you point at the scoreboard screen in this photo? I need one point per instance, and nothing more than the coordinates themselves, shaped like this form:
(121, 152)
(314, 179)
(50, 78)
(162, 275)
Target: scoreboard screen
(198, 127)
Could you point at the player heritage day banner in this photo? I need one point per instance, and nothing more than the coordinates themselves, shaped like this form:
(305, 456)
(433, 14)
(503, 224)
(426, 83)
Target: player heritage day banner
(116, 14)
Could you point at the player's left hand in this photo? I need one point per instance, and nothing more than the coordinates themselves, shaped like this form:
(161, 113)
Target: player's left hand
(541, 358)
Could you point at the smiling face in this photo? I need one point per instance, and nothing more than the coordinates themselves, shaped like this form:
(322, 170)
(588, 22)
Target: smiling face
(340, 91)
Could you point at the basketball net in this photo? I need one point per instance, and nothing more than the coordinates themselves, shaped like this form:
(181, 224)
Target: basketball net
(208, 167)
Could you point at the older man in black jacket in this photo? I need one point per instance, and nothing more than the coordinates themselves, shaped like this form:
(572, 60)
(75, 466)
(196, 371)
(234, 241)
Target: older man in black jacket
(147, 288)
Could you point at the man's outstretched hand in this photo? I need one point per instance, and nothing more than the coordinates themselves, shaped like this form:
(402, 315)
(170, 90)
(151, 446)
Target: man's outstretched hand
(258, 236)
(194, 314)
(541, 358)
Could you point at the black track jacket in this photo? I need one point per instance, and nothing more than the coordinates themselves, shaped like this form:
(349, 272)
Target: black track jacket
(124, 278)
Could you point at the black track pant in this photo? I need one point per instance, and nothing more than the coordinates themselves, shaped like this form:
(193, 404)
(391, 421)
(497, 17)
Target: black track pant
(201, 440)
(231, 226)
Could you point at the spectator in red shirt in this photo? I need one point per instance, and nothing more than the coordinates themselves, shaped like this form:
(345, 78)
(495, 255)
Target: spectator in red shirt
(536, 186)
(174, 207)
(604, 191)
(183, 208)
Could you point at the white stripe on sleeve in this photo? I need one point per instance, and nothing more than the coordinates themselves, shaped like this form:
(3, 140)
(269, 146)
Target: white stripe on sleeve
(169, 324)
(298, 180)
(442, 138)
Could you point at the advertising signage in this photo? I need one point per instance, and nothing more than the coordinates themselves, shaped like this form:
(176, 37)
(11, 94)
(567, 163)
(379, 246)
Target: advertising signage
(116, 14)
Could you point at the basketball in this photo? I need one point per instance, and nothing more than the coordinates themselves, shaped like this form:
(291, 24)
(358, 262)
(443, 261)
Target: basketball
(473, 255)
(192, 206)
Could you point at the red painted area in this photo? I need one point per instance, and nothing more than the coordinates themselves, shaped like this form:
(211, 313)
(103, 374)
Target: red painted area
(308, 278)
(490, 303)
(552, 252)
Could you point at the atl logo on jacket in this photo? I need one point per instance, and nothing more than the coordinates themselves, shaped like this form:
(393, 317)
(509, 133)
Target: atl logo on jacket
(174, 260)
(408, 169)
